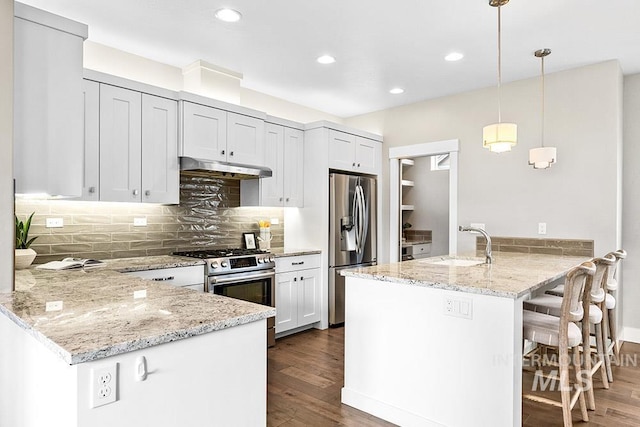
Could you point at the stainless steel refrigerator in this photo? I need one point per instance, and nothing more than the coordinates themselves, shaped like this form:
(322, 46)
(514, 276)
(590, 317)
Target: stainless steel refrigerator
(352, 233)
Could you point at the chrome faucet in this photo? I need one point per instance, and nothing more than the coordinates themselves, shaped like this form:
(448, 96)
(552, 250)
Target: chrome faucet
(487, 251)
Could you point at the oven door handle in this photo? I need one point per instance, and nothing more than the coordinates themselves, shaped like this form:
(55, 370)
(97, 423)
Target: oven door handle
(239, 279)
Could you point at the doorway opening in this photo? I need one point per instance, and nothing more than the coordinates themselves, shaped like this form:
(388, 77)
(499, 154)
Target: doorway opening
(412, 167)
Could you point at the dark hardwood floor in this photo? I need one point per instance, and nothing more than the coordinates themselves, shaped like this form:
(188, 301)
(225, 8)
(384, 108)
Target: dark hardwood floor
(305, 374)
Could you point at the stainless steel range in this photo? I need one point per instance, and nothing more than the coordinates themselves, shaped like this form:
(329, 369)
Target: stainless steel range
(246, 274)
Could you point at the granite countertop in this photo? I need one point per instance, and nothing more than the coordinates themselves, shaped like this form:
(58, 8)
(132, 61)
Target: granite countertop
(101, 317)
(512, 275)
(286, 252)
(415, 242)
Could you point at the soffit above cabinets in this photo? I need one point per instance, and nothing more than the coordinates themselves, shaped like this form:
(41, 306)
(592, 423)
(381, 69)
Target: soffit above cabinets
(377, 47)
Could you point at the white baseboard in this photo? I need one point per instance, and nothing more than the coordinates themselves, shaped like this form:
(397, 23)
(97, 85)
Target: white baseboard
(384, 410)
(630, 334)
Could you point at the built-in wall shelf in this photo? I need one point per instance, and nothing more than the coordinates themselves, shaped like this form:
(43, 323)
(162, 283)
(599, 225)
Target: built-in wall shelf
(407, 207)
(407, 183)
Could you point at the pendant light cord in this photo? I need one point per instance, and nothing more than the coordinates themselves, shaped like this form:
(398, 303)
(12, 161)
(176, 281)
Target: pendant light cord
(499, 67)
(542, 69)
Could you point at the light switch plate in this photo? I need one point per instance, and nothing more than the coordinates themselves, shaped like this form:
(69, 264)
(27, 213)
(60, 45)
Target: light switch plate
(542, 228)
(140, 222)
(458, 307)
(54, 223)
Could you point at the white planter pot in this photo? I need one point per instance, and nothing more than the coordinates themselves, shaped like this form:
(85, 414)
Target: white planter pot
(24, 258)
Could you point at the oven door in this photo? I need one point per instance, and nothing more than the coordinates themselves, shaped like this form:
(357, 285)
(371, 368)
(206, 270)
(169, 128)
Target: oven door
(249, 286)
(256, 287)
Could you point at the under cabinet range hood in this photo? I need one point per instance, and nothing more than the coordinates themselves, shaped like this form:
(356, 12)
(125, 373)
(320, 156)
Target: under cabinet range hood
(193, 166)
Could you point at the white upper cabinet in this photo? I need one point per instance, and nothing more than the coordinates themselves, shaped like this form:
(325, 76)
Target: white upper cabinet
(160, 168)
(138, 140)
(204, 132)
(354, 153)
(293, 167)
(245, 139)
(120, 144)
(48, 105)
(91, 152)
(284, 155)
(210, 133)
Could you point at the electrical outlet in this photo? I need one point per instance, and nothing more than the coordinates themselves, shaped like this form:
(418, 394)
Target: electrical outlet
(53, 306)
(54, 223)
(459, 307)
(104, 385)
(542, 228)
(275, 221)
(140, 222)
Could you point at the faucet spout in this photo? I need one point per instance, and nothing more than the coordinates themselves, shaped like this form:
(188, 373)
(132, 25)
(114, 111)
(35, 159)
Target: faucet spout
(487, 252)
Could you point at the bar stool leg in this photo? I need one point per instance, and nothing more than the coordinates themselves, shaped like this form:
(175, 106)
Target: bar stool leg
(608, 347)
(601, 356)
(575, 359)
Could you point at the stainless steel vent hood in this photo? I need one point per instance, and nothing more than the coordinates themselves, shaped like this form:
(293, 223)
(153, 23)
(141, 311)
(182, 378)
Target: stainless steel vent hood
(222, 169)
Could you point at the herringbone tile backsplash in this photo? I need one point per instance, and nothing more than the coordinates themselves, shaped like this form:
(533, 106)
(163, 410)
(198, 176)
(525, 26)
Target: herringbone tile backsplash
(209, 215)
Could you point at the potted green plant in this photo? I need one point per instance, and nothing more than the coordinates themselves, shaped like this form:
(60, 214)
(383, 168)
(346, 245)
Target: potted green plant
(24, 254)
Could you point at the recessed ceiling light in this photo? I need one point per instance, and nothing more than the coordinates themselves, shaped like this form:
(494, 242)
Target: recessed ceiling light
(454, 56)
(396, 90)
(228, 15)
(326, 59)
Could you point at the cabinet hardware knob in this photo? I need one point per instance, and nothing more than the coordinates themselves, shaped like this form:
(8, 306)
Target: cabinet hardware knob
(287, 199)
(231, 153)
(295, 279)
(358, 164)
(280, 198)
(301, 278)
(353, 164)
(222, 152)
(92, 190)
(136, 192)
(147, 193)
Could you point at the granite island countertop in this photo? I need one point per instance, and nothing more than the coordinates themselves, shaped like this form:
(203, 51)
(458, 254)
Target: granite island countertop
(511, 275)
(101, 316)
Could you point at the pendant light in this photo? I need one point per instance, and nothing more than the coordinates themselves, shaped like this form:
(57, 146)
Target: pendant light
(542, 157)
(499, 137)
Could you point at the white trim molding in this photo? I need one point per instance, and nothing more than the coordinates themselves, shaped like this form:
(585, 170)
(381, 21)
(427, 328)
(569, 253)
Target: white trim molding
(451, 146)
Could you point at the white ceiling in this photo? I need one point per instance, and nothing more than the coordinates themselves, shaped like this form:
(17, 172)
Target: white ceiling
(378, 44)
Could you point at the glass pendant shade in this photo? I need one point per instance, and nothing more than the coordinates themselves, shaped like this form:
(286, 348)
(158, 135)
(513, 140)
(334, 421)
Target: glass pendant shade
(500, 137)
(542, 157)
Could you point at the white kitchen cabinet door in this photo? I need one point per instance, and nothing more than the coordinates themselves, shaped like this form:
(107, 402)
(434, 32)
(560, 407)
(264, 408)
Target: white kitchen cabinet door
(245, 139)
(286, 301)
(160, 168)
(47, 144)
(204, 132)
(368, 154)
(91, 151)
(271, 188)
(342, 150)
(293, 165)
(120, 144)
(308, 296)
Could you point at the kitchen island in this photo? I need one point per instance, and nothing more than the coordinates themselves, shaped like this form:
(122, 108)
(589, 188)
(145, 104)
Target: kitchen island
(204, 355)
(430, 344)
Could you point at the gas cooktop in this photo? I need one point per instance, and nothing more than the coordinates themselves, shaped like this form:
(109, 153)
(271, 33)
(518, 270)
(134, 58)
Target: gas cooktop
(219, 253)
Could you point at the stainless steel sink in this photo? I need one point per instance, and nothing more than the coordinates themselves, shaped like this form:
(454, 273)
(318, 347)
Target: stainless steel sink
(457, 262)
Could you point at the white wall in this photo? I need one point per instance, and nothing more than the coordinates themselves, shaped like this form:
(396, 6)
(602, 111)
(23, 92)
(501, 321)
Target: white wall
(631, 209)
(583, 109)
(430, 196)
(123, 64)
(6, 146)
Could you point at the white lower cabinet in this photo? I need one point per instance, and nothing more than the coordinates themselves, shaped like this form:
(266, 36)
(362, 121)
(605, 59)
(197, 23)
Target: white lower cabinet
(298, 292)
(191, 277)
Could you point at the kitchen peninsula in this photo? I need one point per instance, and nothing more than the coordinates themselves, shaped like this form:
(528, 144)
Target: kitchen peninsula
(429, 344)
(181, 357)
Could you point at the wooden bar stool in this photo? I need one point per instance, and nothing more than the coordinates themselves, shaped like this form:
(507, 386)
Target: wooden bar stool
(592, 306)
(609, 325)
(562, 333)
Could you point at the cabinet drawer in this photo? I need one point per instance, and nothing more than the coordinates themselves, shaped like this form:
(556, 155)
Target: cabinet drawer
(192, 276)
(422, 250)
(295, 263)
